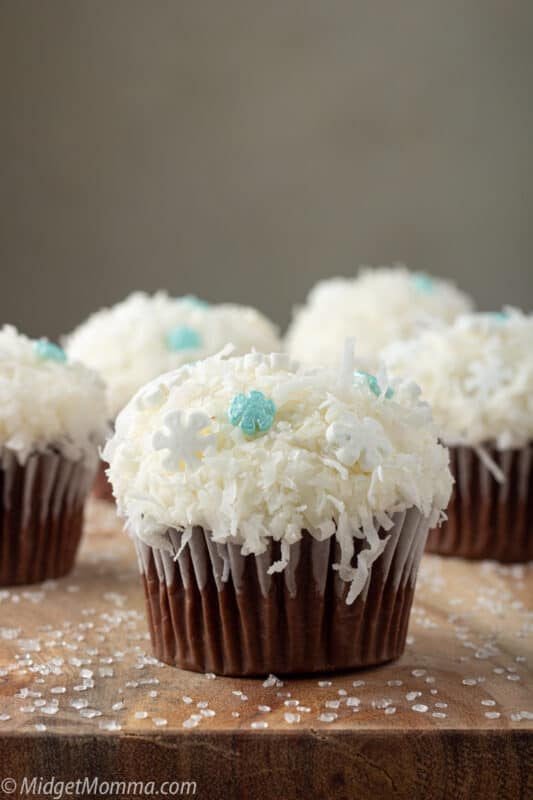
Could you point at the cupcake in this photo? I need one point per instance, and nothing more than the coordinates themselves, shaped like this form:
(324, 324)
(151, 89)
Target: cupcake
(477, 374)
(377, 307)
(52, 421)
(279, 513)
(144, 336)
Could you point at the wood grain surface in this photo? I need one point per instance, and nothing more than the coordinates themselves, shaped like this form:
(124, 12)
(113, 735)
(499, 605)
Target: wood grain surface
(81, 695)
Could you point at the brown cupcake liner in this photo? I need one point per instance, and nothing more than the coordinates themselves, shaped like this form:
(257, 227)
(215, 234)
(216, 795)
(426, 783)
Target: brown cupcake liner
(102, 488)
(486, 518)
(41, 515)
(213, 610)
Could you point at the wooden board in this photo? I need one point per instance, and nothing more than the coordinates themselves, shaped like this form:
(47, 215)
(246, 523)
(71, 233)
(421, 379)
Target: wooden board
(81, 696)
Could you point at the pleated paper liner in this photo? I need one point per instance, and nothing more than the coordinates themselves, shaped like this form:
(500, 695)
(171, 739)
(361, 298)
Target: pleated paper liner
(296, 621)
(102, 489)
(486, 518)
(41, 516)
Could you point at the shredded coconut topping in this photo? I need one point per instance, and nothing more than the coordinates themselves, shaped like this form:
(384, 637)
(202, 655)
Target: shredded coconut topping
(478, 376)
(337, 460)
(377, 307)
(144, 336)
(47, 401)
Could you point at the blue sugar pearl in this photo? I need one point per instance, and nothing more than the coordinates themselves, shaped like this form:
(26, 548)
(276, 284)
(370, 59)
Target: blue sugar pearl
(195, 302)
(500, 316)
(389, 394)
(423, 282)
(49, 351)
(253, 413)
(183, 338)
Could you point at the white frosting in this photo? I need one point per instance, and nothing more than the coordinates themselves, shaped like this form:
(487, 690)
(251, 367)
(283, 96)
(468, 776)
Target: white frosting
(377, 307)
(46, 403)
(477, 374)
(338, 460)
(127, 343)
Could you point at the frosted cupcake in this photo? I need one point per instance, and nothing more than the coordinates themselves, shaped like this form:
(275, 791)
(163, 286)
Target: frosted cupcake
(377, 307)
(279, 514)
(52, 421)
(144, 336)
(477, 375)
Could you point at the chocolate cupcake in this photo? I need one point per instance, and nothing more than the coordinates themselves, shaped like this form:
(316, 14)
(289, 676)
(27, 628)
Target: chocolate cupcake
(279, 514)
(52, 420)
(477, 374)
(377, 307)
(144, 336)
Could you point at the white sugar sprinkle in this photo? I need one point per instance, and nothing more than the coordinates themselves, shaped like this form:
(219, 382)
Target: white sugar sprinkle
(259, 725)
(159, 721)
(291, 718)
(327, 717)
(140, 714)
(492, 714)
(420, 707)
(410, 696)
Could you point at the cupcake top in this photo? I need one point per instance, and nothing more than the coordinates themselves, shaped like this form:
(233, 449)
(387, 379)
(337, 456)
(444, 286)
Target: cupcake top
(478, 376)
(144, 336)
(255, 448)
(47, 400)
(377, 307)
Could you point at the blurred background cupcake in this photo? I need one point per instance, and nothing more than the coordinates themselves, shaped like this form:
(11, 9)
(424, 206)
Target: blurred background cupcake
(279, 513)
(477, 374)
(378, 306)
(146, 335)
(52, 421)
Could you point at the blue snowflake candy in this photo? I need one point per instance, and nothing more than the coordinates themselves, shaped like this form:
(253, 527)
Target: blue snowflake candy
(422, 282)
(253, 413)
(183, 338)
(373, 384)
(49, 351)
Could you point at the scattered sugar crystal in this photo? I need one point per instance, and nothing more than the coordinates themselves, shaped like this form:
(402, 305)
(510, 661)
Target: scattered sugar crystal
(235, 714)
(117, 706)
(202, 704)
(515, 717)
(513, 677)
(259, 725)
(140, 714)
(208, 712)
(420, 707)
(353, 701)
(356, 684)
(27, 709)
(395, 683)
(190, 723)
(40, 727)
(186, 699)
(79, 703)
(381, 703)
(410, 696)
(488, 702)
(469, 681)
(328, 716)
(332, 703)
(159, 722)
(492, 714)
(58, 690)
(152, 693)
(291, 718)
(441, 705)
(324, 684)
(390, 710)
(438, 715)
(303, 709)
(39, 703)
(272, 680)
(418, 673)
(4, 717)
(111, 725)
(210, 676)
(342, 692)
(264, 709)
(291, 703)
(90, 713)
(49, 710)
(527, 714)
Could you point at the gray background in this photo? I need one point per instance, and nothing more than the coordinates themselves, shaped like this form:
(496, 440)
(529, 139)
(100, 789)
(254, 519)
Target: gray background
(241, 150)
